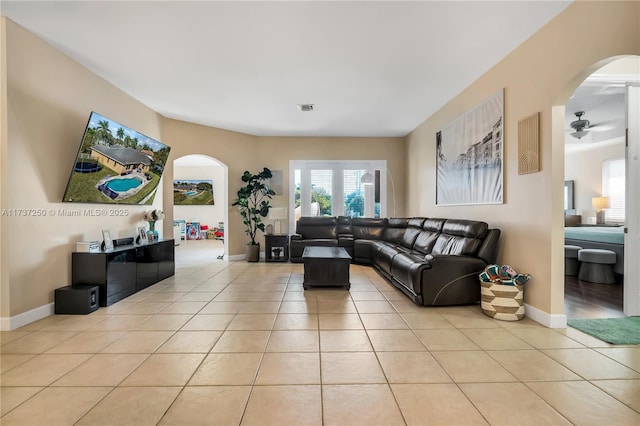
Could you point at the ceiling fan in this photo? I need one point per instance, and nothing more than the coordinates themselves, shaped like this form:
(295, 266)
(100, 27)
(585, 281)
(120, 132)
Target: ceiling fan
(579, 126)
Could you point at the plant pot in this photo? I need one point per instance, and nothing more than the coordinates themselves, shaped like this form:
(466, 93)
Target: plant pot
(252, 252)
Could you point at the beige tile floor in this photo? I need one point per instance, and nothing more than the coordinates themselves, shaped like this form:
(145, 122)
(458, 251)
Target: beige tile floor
(237, 343)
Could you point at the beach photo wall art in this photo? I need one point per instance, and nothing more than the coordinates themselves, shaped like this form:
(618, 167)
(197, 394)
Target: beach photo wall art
(193, 192)
(469, 156)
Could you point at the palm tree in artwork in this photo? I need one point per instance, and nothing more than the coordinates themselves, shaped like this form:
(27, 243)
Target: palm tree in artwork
(120, 134)
(104, 132)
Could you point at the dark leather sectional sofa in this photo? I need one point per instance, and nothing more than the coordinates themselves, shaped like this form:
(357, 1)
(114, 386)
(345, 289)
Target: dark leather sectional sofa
(435, 262)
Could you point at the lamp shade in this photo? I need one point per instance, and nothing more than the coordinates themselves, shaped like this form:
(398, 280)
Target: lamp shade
(367, 179)
(600, 203)
(277, 213)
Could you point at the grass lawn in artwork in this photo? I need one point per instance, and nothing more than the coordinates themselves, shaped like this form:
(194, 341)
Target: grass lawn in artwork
(193, 192)
(115, 165)
(84, 187)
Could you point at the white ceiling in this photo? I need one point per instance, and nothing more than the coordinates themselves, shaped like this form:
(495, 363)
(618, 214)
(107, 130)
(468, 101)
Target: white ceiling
(371, 68)
(602, 98)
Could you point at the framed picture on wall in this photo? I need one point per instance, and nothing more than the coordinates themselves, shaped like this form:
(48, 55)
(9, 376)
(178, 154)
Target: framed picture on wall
(193, 192)
(469, 156)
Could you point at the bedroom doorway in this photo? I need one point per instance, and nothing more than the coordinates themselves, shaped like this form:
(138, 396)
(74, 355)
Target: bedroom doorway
(597, 163)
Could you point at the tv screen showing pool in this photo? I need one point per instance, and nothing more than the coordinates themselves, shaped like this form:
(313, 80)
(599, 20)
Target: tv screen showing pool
(115, 165)
(192, 192)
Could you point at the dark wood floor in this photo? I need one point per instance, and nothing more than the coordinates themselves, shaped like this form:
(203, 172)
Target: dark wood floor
(583, 299)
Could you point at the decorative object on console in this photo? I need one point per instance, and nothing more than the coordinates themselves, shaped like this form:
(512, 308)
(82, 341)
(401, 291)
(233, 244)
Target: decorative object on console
(107, 242)
(600, 204)
(469, 153)
(88, 246)
(502, 292)
(252, 201)
(152, 217)
(529, 144)
(142, 235)
(193, 192)
(277, 214)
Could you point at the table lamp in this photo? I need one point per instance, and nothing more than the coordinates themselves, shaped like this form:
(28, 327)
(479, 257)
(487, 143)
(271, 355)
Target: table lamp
(599, 204)
(277, 214)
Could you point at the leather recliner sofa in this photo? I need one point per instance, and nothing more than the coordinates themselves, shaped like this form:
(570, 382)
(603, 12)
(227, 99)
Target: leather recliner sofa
(435, 262)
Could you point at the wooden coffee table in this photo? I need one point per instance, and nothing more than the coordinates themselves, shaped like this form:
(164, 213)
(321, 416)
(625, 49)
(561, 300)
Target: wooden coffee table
(326, 267)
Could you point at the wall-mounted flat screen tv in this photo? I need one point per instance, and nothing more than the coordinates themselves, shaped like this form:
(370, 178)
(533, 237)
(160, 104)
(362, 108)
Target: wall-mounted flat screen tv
(115, 165)
(193, 192)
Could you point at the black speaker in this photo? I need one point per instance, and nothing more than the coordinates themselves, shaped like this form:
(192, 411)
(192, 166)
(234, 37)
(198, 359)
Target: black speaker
(82, 299)
(123, 241)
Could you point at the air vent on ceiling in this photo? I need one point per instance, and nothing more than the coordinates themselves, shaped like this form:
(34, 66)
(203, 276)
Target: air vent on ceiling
(305, 107)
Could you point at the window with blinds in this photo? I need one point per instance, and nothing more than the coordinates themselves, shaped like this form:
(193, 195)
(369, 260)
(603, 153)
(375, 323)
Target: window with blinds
(336, 188)
(613, 186)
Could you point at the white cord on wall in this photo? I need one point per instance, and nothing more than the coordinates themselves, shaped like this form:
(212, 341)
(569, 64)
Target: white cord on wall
(393, 187)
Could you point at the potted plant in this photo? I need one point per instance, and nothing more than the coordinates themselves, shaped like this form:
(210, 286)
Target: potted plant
(253, 204)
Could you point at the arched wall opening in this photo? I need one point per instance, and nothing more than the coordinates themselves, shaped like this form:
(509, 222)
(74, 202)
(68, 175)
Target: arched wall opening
(189, 170)
(621, 71)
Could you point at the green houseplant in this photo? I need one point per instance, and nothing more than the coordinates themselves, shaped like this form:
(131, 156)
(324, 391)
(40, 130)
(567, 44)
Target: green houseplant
(253, 204)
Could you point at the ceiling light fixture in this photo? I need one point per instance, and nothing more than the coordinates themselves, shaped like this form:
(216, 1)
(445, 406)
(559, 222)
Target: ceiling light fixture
(305, 107)
(580, 126)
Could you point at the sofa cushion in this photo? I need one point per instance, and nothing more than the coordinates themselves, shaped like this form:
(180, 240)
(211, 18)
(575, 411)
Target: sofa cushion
(406, 269)
(433, 225)
(395, 230)
(320, 242)
(425, 241)
(368, 228)
(411, 234)
(362, 250)
(344, 225)
(317, 227)
(461, 237)
(465, 228)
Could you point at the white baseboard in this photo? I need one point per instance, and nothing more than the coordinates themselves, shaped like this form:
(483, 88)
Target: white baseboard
(243, 257)
(545, 318)
(17, 321)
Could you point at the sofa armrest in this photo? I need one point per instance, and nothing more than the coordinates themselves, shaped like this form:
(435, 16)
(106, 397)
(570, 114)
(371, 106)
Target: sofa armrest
(451, 279)
(295, 237)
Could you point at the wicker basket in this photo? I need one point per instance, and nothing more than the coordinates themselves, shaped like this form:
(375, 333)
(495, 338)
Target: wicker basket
(503, 302)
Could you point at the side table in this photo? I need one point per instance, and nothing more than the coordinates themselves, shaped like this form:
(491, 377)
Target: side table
(276, 248)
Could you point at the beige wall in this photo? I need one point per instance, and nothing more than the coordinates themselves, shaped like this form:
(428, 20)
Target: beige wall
(584, 167)
(206, 215)
(49, 98)
(538, 75)
(240, 152)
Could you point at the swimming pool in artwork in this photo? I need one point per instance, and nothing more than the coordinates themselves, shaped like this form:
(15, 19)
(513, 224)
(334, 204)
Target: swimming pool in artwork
(123, 185)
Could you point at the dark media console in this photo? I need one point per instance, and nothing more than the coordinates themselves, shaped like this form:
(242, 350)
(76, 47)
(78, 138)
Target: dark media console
(124, 270)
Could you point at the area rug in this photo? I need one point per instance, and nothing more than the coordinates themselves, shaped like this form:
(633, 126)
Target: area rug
(619, 331)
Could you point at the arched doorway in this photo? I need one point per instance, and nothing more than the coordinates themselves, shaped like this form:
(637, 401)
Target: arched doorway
(200, 200)
(601, 95)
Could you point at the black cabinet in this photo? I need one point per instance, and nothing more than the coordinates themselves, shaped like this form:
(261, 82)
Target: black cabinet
(276, 248)
(124, 270)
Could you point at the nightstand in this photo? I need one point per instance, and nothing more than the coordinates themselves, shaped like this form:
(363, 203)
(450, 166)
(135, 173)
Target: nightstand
(276, 248)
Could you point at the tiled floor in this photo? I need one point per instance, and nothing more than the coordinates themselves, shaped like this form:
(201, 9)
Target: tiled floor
(239, 343)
